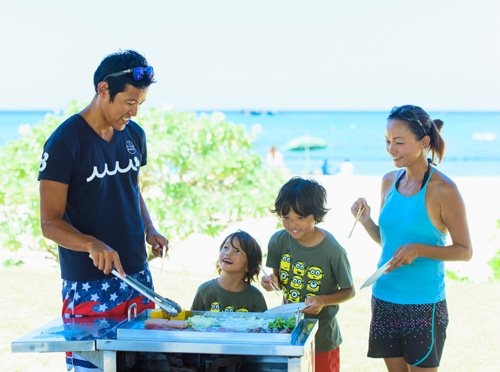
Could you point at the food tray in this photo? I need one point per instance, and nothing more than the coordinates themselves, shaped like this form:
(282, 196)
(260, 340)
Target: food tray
(135, 330)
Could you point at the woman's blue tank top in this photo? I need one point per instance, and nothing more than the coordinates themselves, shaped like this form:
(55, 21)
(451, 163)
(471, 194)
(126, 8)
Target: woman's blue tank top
(404, 220)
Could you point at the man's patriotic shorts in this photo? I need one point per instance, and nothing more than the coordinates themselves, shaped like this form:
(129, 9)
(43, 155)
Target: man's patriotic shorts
(108, 297)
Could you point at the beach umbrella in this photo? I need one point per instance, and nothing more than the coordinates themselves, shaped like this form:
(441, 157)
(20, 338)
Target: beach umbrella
(305, 143)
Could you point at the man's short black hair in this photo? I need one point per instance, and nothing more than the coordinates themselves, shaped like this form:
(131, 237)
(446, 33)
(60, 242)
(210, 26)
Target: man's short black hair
(304, 197)
(117, 62)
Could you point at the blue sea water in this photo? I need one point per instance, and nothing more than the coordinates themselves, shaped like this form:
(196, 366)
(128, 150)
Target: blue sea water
(472, 138)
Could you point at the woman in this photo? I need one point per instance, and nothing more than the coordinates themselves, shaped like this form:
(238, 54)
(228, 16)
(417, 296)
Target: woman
(420, 207)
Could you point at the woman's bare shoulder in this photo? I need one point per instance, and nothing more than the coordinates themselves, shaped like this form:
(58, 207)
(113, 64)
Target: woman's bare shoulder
(389, 178)
(442, 185)
(387, 182)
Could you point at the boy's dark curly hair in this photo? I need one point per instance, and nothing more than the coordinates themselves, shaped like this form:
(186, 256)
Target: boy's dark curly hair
(251, 248)
(304, 197)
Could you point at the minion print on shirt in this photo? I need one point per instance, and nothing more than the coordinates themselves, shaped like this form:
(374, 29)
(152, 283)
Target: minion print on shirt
(216, 306)
(313, 286)
(210, 296)
(298, 281)
(284, 277)
(315, 273)
(285, 263)
(299, 268)
(294, 296)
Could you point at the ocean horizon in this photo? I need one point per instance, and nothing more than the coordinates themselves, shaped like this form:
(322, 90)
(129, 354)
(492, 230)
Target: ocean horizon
(472, 138)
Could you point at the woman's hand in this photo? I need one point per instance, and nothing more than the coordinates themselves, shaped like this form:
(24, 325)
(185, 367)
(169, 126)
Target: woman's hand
(359, 204)
(405, 255)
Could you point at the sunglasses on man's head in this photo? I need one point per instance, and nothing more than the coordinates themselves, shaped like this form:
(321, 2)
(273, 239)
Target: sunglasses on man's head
(407, 114)
(138, 73)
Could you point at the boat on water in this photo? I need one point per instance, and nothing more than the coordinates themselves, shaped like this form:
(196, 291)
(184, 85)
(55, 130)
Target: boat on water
(259, 112)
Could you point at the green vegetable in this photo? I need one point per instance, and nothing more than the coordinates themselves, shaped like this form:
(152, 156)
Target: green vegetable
(282, 324)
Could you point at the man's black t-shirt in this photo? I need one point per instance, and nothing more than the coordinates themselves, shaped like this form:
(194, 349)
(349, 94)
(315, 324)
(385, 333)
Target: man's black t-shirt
(103, 192)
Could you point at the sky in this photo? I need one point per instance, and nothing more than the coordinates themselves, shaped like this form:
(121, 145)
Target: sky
(259, 54)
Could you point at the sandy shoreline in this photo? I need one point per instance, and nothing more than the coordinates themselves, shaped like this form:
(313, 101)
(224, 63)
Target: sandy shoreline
(481, 195)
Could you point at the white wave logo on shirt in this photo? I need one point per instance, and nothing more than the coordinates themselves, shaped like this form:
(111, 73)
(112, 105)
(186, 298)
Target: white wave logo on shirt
(109, 172)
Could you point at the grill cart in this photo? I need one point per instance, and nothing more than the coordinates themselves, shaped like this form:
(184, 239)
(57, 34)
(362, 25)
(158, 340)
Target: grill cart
(122, 344)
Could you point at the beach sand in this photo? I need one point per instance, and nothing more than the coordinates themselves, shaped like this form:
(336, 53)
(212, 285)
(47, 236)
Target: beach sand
(198, 253)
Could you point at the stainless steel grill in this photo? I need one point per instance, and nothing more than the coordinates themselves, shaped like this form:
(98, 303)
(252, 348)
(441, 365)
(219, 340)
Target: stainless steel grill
(123, 344)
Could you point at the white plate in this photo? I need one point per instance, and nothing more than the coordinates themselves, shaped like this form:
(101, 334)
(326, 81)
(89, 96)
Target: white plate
(288, 308)
(377, 274)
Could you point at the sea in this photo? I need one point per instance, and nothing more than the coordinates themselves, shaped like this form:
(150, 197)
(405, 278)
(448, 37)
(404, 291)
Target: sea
(352, 137)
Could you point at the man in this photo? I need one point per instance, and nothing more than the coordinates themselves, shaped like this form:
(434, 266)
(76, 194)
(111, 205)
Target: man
(90, 200)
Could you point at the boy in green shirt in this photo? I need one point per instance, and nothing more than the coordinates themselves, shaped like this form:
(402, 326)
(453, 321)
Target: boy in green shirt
(238, 265)
(311, 265)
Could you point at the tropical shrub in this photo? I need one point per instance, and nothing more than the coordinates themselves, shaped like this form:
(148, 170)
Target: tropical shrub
(494, 262)
(201, 175)
(19, 201)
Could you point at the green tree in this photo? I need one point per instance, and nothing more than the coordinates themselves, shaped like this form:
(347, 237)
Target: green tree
(201, 175)
(494, 262)
(19, 201)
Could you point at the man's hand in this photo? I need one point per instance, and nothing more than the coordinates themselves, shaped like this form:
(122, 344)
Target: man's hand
(157, 241)
(105, 258)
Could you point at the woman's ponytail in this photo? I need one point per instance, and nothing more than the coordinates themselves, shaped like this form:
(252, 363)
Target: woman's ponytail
(437, 145)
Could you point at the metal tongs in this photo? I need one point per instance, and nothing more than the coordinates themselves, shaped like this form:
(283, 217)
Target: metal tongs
(169, 306)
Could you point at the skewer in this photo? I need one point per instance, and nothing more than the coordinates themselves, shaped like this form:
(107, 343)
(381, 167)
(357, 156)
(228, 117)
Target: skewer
(275, 287)
(360, 212)
(163, 255)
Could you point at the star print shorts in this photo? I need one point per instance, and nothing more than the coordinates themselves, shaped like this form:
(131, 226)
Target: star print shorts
(108, 297)
(415, 332)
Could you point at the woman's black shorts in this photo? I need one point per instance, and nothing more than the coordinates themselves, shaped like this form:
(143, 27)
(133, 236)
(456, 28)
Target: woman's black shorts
(415, 332)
